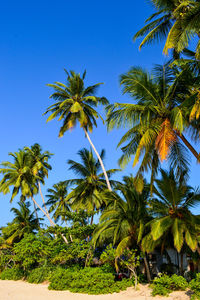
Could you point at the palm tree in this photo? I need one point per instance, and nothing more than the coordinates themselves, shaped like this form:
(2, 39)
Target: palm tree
(24, 222)
(172, 216)
(124, 217)
(76, 103)
(56, 201)
(90, 182)
(176, 21)
(20, 176)
(39, 166)
(164, 99)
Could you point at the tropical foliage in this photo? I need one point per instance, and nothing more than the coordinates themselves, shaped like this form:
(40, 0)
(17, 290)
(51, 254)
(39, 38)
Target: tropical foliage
(171, 208)
(156, 122)
(76, 103)
(89, 184)
(142, 226)
(175, 21)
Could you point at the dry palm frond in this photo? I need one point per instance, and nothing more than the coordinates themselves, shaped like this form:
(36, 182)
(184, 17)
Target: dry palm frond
(165, 139)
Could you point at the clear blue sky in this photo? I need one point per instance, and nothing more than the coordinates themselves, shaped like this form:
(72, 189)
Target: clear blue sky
(38, 40)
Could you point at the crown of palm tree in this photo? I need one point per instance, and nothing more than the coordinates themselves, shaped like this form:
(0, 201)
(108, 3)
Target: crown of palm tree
(171, 209)
(124, 218)
(157, 119)
(177, 21)
(23, 222)
(56, 200)
(18, 175)
(39, 160)
(75, 103)
(90, 182)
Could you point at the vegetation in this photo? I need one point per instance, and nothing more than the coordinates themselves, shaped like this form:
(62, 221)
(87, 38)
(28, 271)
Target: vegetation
(164, 285)
(105, 234)
(195, 287)
(177, 21)
(88, 280)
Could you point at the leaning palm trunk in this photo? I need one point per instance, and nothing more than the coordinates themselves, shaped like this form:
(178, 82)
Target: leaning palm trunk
(48, 217)
(99, 158)
(43, 199)
(51, 221)
(188, 145)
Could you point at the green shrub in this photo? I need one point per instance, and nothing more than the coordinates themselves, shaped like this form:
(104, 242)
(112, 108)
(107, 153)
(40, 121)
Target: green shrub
(12, 274)
(106, 268)
(39, 275)
(165, 284)
(195, 287)
(160, 290)
(88, 280)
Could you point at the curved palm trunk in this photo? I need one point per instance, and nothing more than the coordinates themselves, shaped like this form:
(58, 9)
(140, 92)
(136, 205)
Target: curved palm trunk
(99, 158)
(48, 217)
(189, 146)
(43, 198)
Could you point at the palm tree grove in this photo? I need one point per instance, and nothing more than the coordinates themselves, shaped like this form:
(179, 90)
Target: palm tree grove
(107, 226)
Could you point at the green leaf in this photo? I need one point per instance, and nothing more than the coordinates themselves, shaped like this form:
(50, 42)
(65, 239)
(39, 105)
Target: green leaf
(177, 230)
(191, 240)
(160, 226)
(76, 107)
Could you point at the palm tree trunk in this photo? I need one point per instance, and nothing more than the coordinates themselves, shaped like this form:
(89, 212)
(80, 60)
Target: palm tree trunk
(91, 220)
(52, 223)
(147, 268)
(99, 158)
(35, 203)
(39, 185)
(188, 145)
(48, 217)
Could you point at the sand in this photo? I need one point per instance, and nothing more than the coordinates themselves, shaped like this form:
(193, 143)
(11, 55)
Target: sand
(20, 290)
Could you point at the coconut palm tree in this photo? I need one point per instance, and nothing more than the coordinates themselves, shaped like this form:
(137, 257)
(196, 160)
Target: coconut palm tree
(40, 166)
(24, 222)
(56, 201)
(158, 118)
(176, 21)
(90, 182)
(75, 103)
(172, 216)
(19, 175)
(124, 217)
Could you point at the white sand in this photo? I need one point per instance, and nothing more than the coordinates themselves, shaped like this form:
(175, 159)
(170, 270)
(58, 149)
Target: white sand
(20, 290)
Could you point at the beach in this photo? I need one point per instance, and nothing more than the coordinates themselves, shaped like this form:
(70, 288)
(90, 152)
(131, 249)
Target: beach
(20, 290)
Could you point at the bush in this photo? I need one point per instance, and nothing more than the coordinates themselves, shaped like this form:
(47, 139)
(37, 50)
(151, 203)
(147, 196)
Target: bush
(106, 268)
(88, 280)
(12, 274)
(39, 275)
(195, 287)
(165, 284)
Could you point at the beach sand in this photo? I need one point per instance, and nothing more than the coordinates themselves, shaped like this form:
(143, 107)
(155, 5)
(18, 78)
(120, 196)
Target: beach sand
(20, 290)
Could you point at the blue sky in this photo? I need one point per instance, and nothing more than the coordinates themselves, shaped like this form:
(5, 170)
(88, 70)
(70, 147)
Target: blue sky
(41, 38)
